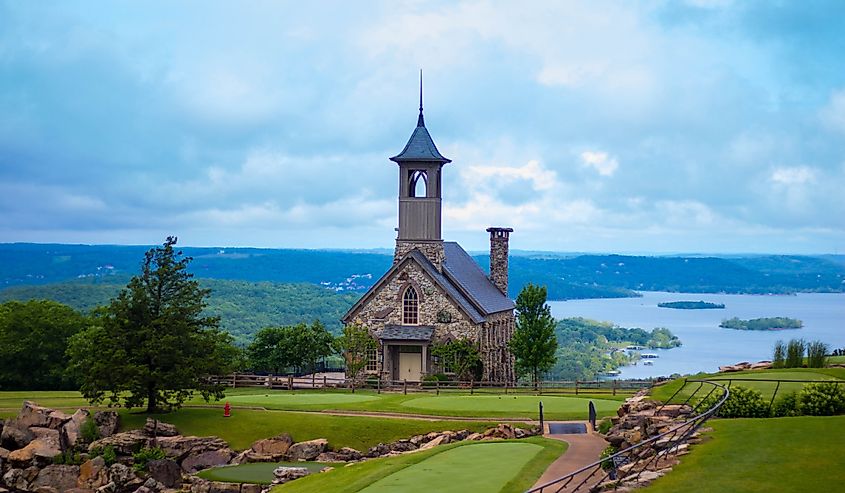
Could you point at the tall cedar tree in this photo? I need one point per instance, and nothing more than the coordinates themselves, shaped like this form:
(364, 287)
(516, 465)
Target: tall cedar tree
(152, 342)
(533, 342)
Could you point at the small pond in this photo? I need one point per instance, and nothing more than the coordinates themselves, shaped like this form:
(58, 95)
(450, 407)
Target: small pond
(256, 472)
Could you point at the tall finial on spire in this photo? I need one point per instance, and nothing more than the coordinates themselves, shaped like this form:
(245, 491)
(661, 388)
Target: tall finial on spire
(420, 121)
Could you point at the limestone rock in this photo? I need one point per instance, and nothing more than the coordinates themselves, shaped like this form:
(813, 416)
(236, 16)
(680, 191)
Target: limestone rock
(307, 450)
(93, 473)
(121, 475)
(61, 477)
(285, 474)
(251, 488)
(34, 415)
(46, 489)
(156, 428)
(15, 435)
(218, 487)
(179, 447)
(440, 440)
(275, 447)
(402, 446)
(107, 423)
(197, 462)
(70, 432)
(125, 443)
(14, 479)
(166, 472)
(40, 450)
(475, 436)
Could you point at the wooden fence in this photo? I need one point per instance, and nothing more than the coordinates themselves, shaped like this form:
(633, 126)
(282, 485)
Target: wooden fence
(323, 382)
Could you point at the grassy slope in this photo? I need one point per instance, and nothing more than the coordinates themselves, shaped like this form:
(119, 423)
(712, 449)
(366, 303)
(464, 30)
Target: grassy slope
(763, 455)
(665, 391)
(357, 477)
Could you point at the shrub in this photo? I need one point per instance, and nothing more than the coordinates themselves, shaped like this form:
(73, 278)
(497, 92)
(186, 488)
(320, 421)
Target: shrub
(822, 399)
(795, 353)
(742, 403)
(816, 354)
(787, 405)
(604, 426)
(69, 458)
(779, 357)
(89, 431)
(606, 463)
(145, 455)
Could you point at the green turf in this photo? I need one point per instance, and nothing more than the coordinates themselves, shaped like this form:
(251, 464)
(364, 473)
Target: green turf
(362, 475)
(257, 472)
(513, 405)
(478, 467)
(247, 426)
(665, 391)
(763, 455)
(296, 399)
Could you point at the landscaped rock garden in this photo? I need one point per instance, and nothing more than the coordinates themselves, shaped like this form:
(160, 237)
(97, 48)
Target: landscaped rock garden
(48, 451)
(639, 419)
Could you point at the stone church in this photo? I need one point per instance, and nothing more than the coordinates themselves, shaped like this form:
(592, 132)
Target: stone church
(435, 292)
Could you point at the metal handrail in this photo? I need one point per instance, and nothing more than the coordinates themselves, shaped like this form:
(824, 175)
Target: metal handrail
(674, 437)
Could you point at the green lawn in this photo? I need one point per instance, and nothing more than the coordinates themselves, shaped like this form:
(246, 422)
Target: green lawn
(247, 426)
(763, 455)
(523, 405)
(256, 472)
(506, 466)
(665, 391)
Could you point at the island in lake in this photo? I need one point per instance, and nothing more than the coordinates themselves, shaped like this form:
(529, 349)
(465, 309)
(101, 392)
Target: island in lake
(772, 323)
(691, 305)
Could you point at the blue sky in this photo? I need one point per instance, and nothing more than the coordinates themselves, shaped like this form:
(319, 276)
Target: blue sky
(698, 126)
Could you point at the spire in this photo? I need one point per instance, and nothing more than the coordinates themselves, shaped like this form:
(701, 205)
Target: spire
(420, 120)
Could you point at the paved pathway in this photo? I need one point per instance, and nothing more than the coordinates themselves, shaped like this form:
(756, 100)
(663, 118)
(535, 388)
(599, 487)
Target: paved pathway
(583, 449)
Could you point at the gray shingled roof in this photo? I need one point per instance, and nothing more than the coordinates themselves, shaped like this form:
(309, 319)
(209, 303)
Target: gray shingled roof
(451, 290)
(407, 332)
(420, 147)
(465, 272)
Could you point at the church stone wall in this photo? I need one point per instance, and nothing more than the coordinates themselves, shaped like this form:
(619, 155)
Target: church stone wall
(495, 355)
(433, 250)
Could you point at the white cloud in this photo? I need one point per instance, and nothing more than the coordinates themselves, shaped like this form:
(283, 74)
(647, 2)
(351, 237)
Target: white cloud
(833, 114)
(602, 162)
(798, 175)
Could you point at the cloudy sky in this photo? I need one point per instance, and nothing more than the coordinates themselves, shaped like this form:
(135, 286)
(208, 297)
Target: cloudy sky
(698, 126)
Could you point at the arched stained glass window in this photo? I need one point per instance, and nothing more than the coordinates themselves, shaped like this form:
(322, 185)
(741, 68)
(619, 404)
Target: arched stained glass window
(410, 306)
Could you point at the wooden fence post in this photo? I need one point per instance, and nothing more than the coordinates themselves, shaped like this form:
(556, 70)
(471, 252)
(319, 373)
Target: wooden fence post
(404, 386)
(290, 382)
(471, 385)
(234, 380)
(576, 387)
(437, 386)
(614, 387)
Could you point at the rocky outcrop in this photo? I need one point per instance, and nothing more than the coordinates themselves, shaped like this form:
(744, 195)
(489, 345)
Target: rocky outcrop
(284, 474)
(307, 450)
(108, 422)
(60, 477)
(126, 443)
(273, 449)
(156, 428)
(166, 472)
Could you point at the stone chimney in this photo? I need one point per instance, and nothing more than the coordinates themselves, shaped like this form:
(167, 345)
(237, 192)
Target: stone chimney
(499, 257)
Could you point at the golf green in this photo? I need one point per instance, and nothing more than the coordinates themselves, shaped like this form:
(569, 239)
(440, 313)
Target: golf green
(483, 467)
(523, 404)
(294, 399)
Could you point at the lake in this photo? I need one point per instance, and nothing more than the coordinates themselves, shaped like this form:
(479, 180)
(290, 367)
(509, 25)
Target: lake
(706, 346)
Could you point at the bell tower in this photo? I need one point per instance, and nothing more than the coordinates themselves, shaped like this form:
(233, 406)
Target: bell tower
(420, 194)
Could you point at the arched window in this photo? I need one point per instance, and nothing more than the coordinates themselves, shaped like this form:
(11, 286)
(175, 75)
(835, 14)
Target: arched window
(418, 186)
(410, 306)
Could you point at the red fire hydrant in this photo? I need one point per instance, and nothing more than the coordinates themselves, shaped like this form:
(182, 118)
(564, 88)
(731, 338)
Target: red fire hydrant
(227, 411)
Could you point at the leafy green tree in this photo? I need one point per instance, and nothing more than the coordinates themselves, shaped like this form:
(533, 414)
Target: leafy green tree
(533, 342)
(317, 343)
(462, 357)
(33, 340)
(152, 343)
(355, 344)
(293, 347)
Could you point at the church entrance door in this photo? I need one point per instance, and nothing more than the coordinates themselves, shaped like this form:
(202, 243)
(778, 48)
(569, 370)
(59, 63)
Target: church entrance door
(410, 363)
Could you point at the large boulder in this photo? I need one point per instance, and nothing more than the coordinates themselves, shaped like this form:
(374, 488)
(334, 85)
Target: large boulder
(218, 487)
(440, 440)
(166, 472)
(126, 443)
(93, 473)
(197, 462)
(275, 447)
(34, 415)
(179, 447)
(14, 478)
(121, 475)
(71, 432)
(308, 450)
(284, 474)
(41, 450)
(108, 422)
(61, 477)
(156, 428)
(15, 435)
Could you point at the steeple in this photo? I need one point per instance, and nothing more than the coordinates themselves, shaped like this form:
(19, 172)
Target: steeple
(420, 194)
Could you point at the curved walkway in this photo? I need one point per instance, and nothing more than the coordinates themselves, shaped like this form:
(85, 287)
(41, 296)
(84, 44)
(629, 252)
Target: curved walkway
(583, 450)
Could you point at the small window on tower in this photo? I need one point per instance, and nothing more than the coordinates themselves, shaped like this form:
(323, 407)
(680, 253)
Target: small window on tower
(418, 183)
(410, 307)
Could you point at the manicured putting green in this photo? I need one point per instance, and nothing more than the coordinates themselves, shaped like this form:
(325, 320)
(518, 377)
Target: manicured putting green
(479, 468)
(258, 472)
(519, 405)
(294, 399)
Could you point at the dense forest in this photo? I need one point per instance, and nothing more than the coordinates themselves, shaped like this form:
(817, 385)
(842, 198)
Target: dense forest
(243, 307)
(692, 305)
(588, 348)
(770, 323)
(566, 277)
